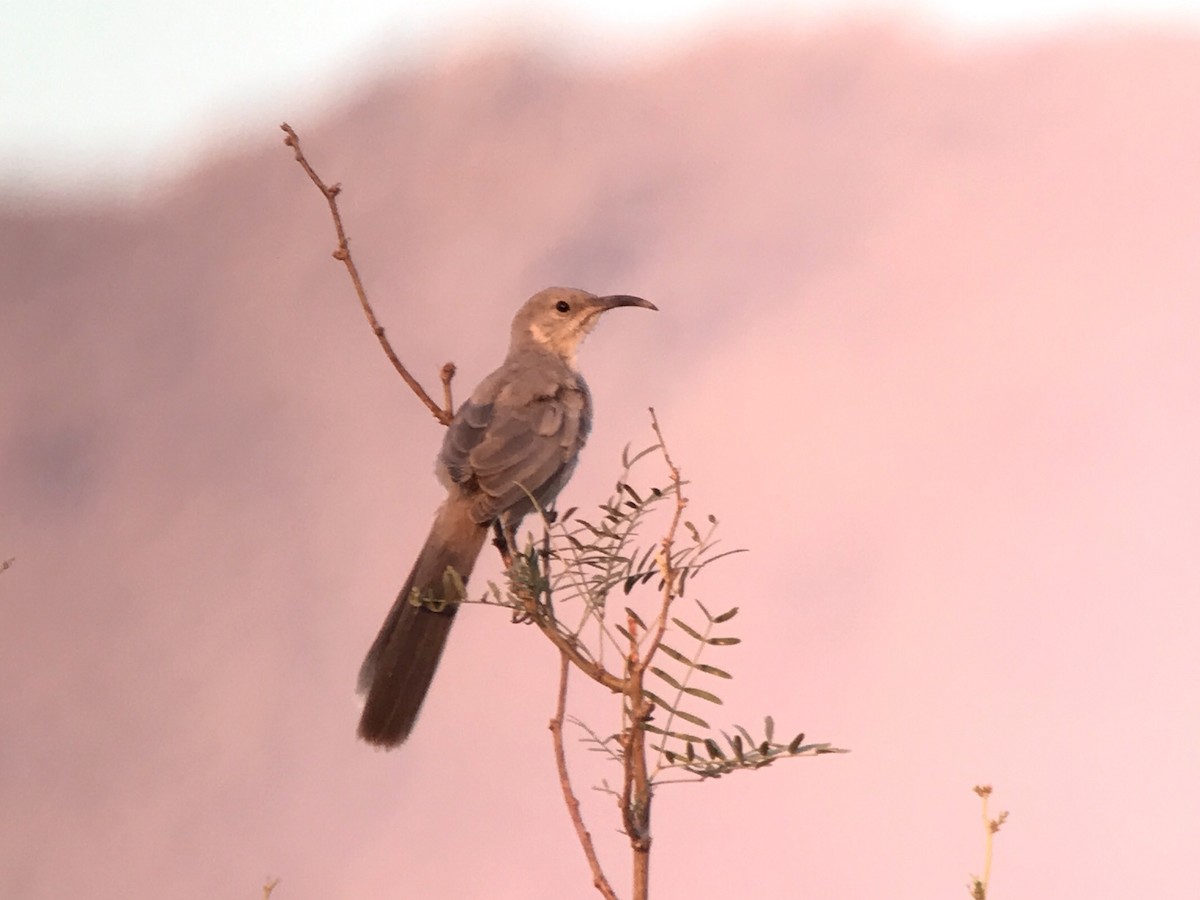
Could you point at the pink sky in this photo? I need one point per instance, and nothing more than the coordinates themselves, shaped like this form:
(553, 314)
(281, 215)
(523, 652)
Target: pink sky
(927, 346)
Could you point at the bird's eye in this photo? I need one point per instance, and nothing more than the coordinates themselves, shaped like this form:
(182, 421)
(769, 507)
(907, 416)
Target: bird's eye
(562, 306)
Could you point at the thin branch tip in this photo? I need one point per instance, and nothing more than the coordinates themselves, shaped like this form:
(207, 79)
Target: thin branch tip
(448, 372)
(342, 254)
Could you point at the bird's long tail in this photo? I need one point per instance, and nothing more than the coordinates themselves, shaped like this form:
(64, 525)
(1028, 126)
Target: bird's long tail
(399, 667)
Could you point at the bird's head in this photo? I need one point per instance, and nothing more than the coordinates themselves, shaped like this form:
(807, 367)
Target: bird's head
(558, 319)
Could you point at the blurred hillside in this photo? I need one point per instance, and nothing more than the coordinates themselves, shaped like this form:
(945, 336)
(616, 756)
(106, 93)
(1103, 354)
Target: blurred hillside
(927, 345)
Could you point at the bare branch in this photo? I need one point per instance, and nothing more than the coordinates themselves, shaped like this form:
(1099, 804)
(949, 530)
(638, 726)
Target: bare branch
(342, 253)
(979, 886)
(564, 780)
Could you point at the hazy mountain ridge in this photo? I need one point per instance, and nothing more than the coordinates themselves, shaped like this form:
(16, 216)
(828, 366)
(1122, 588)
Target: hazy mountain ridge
(926, 342)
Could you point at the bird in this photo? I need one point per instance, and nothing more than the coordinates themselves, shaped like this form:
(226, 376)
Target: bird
(510, 448)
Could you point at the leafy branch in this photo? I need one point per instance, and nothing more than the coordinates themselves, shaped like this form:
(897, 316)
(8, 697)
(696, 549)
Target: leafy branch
(568, 583)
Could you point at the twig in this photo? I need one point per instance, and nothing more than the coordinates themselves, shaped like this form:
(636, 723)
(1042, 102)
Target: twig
(669, 573)
(532, 611)
(567, 647)
(564, 780)
(448, 371)
(268, 887)
(979, 886)
(638, 790)
(342, 253)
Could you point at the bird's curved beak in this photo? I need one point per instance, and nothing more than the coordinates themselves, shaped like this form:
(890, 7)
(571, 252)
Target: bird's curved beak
(615, 300)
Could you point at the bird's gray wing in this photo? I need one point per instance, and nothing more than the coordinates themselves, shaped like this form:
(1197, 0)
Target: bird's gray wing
(464, 434)
(520, 444)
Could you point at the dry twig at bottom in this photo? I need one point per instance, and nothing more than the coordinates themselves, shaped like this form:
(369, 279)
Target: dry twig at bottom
(564, 780)
(979, 885)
